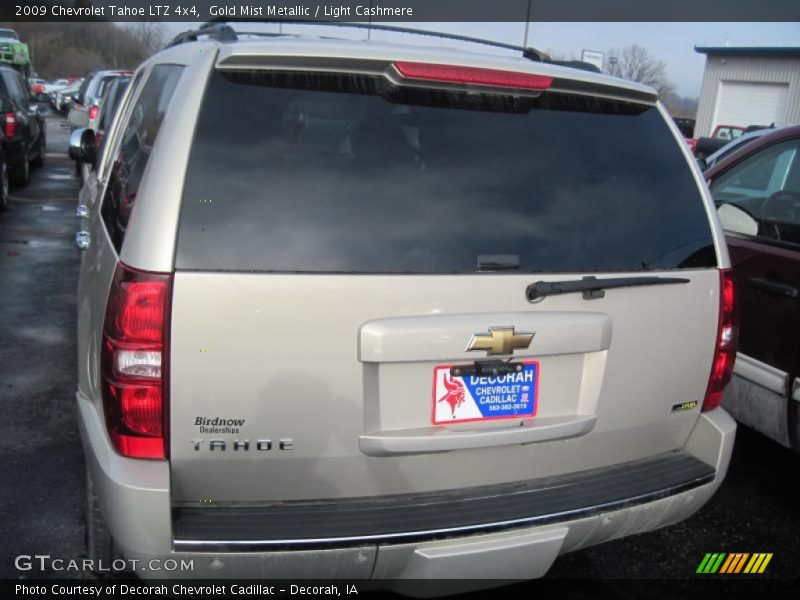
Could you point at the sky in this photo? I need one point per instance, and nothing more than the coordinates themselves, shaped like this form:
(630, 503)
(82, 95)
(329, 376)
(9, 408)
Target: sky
(671, 42)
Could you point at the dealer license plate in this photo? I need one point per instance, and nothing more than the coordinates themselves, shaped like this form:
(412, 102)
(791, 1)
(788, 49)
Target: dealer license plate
(457, 399)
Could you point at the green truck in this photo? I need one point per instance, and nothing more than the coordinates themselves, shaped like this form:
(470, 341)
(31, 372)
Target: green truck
(15, 53)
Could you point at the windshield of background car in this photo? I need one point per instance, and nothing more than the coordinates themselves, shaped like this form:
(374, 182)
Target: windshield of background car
(766, 185)
(729, 133)
(306, 172)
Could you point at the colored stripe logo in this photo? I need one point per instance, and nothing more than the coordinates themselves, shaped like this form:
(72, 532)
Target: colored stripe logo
(734, 562)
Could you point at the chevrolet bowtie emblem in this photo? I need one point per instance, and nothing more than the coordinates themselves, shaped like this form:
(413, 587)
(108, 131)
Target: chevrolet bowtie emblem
(499, 340)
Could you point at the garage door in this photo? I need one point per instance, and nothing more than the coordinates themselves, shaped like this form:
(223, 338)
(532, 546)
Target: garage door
(745, 103)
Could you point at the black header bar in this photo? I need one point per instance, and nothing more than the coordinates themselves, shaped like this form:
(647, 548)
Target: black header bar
(403, 11)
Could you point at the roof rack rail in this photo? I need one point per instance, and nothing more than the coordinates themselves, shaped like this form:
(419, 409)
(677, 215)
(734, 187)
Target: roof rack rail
(219, 30)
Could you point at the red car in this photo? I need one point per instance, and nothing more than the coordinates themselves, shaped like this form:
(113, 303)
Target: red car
(703, 147)
(757, 193)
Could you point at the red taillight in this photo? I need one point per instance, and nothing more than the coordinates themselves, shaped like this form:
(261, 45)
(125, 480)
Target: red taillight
(141, 408)
(472, 75)
(727, 342)
(93, 112)
(134, 361)
(11, 125)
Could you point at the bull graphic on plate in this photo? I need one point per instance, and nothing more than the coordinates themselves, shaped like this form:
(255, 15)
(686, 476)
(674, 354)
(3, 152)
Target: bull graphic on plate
(457, 399)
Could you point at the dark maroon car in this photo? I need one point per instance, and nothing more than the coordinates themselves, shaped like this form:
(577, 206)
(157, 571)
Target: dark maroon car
(757, 193)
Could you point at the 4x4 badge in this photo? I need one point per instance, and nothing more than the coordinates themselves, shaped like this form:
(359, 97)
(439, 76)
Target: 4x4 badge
(499, 340)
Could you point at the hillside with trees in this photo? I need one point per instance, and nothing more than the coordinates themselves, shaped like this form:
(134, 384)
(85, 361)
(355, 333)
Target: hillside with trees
(74, 49)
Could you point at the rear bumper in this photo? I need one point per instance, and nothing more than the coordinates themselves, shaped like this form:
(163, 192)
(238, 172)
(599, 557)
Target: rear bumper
(487, 533)
(425, 517)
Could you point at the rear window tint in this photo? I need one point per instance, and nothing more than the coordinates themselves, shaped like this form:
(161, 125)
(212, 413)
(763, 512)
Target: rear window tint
(321, 173)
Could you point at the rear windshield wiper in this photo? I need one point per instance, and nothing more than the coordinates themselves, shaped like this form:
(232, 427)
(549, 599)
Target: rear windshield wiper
(593, 287)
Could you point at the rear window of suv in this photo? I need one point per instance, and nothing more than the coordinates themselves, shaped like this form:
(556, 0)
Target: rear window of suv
(322, 173)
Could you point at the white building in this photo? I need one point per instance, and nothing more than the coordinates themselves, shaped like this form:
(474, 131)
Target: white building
(749, 85)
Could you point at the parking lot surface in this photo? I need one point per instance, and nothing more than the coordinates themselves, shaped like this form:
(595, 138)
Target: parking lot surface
(42, 492)
(42, 484)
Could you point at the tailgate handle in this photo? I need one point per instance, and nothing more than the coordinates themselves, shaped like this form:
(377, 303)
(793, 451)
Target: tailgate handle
(493, 368)
(441, 439)
(592, 287)
(775, 287)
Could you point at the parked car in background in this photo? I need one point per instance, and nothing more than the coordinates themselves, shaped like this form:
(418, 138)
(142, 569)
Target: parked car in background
(109, 84)
(444, 350)
(727, 132)
(108, 109)
(731, 147)
(62, 99)
(15, 53)
(23, 125)
(4, 177)
(98, 127)
(685, 126)
(92, 89)
(706, 146)
(38, 86)
(55, 85)
(757, 191)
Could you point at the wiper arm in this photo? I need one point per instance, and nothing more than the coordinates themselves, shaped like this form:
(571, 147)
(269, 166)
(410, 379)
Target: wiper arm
(593, 287)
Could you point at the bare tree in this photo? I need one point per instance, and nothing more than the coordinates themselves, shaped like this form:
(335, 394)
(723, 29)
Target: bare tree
(681, 106)
(635, 63)
(150, 36)
(75, 48)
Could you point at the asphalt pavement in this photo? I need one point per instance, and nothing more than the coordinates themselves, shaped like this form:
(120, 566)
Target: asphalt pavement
(42, 480)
